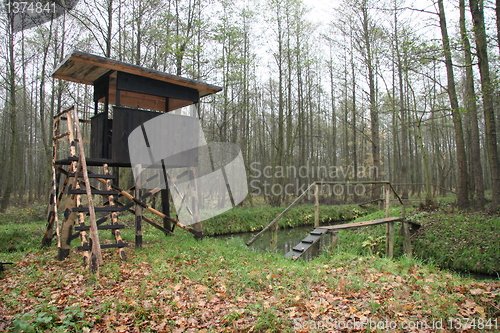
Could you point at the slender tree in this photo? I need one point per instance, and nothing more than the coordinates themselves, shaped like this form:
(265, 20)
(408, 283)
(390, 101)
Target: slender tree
(462, 188)
(11, 107)
(368, 32)
(471, 109)
(477, 10)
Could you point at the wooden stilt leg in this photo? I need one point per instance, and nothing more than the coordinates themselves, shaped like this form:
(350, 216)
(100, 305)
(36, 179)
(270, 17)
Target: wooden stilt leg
(67, 229)
(165, 207)
(195, 201)
(138, 210)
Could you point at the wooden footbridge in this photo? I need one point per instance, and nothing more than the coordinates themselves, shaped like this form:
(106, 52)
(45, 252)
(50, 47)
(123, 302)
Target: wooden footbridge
(314, 236)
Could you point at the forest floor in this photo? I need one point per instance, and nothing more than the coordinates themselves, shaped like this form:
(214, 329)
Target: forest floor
(179, 284)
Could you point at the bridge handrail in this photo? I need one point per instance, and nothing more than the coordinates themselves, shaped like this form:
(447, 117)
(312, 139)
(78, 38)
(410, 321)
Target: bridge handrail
(251, 241)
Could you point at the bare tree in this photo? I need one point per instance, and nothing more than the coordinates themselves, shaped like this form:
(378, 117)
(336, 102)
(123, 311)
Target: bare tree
(11, 107)
(476, 7)
(462, 188)
(471, 109)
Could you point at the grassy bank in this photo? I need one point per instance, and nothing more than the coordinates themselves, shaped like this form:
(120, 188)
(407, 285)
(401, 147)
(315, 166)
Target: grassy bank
(249, 219)
(461, 241)
(183, 285)
(466, 242)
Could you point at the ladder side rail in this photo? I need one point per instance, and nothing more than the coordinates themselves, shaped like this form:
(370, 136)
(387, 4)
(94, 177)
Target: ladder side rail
(55, 177)
(52, 217)
(75, 167)
(96, 255)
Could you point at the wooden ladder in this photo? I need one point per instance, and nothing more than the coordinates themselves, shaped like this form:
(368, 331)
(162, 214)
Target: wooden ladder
(78, 184)
(110, 208)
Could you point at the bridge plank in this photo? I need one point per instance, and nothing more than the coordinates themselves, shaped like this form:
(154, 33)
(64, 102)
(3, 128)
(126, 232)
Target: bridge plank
(363, 223)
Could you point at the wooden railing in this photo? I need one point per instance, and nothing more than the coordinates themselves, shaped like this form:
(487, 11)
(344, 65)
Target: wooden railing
(387, 198)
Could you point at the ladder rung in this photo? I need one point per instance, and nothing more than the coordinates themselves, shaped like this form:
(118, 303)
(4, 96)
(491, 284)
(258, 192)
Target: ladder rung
(61, 136)
(60, 114)
(103, 246)
(319, 231)
(92, 175)
(91, 160)
(67, 139)
(101, 192)
(85, 121)
(100, 227)
(293, 254)
(98, 209)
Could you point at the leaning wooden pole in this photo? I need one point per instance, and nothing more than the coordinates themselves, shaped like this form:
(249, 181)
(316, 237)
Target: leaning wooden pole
(250, 242)
(316, 205)
(96, 255)
(53, 219)
(152, 210)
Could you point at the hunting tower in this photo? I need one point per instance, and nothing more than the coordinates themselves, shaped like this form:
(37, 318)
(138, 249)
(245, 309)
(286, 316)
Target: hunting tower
(125, 96)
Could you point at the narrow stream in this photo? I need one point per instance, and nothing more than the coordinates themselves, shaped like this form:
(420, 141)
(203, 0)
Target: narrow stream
(287, 239)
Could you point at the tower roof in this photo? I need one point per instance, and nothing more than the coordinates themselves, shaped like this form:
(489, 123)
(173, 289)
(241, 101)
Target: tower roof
(86, 68)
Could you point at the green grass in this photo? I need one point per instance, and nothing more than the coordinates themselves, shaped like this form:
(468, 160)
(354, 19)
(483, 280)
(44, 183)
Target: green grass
(461, 241)
(249, 219)
(218, 285)
(21, 229)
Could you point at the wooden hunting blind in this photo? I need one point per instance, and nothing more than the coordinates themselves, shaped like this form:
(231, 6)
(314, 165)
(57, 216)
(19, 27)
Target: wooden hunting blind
(136, 95)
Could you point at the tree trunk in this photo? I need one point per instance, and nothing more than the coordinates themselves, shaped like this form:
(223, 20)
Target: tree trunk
(402, 112)
(354, 132)
(471, 108)
(462, 188)
(12, 111)
(109, 32)
(375, 142)
(476, 7)
(497, 11)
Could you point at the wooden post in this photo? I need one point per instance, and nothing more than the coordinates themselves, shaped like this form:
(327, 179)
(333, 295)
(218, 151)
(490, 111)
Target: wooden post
(138, 208)
(390, 240)
(387, 200)
(389, 244)
(274, 237)
(334, 240)
(406, 239)
(316, 205)
(193, 110)
(165, 208)
(67, 227)
(197, 226)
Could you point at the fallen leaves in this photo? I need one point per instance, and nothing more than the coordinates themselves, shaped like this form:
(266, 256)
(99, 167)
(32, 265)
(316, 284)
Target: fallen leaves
(188, 295)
